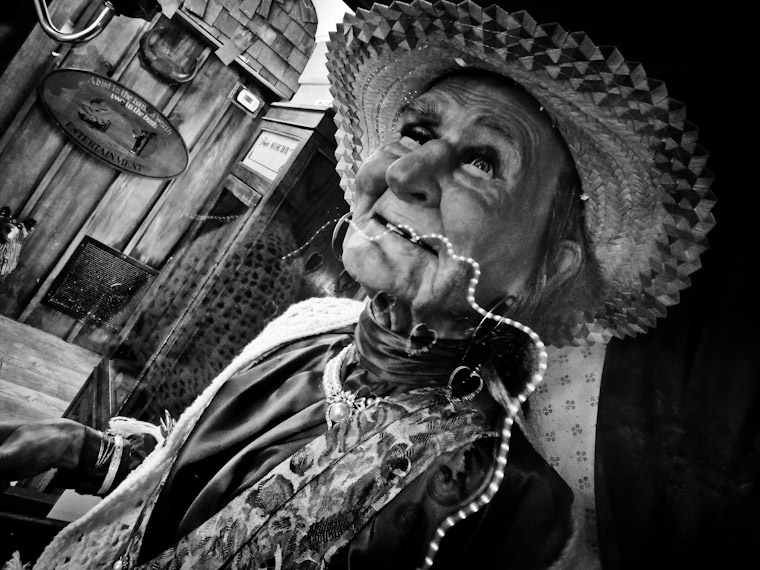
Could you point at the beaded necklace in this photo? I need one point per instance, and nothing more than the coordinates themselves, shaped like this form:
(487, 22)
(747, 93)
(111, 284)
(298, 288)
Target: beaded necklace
(341, 404)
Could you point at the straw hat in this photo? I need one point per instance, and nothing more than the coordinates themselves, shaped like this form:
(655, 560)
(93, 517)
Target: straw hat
(647, 191)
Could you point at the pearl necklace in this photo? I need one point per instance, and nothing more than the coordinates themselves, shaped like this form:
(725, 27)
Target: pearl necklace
(542, 356)
(341, 404)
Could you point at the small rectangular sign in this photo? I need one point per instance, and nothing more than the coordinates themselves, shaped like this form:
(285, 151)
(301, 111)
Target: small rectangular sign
(269, 153)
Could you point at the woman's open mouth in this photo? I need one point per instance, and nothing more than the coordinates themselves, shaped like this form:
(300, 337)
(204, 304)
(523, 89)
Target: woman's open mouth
(405, 233)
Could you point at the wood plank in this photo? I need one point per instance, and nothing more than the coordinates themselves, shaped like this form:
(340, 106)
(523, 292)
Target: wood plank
(191, 266)
(63, 362)
(35, 57)
(196, 116)
(39, 365)
(80, 171)
(40, 374)
(24, 340)
(21, 403)
(66, 204)
(42, 165)
(48, 364)
(28, 157)
(51, 383)
(194, 187)
(38, 55)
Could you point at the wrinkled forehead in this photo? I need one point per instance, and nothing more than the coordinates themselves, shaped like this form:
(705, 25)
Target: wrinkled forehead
(501, 87)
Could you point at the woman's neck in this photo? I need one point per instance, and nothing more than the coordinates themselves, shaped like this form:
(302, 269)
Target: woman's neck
(419, 356)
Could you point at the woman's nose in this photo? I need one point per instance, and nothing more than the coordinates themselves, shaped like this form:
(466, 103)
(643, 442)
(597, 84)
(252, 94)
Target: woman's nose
(416, 176)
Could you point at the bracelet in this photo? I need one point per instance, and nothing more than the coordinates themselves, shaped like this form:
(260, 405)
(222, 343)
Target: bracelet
(113, 467)
(106, 449)
(99, 460)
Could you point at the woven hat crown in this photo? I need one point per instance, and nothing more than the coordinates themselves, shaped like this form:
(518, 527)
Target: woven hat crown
(646, 188)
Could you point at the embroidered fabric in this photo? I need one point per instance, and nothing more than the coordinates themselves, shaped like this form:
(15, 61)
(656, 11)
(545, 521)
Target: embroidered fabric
(387, 353)
(364, 462)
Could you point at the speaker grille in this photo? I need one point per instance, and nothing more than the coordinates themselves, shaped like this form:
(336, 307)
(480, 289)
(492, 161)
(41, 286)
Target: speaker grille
(99, 284)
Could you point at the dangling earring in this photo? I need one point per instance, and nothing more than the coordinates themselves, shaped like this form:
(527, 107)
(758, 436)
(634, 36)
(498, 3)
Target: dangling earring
(338, 251)
(421, 333)
(458, 378)
(508, 302)
(466, 376)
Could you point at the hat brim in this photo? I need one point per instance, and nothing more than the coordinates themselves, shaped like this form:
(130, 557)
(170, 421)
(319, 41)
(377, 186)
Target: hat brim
(648, 192)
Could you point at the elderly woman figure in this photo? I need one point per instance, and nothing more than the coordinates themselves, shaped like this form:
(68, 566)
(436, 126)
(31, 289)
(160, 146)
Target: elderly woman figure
(507, 184)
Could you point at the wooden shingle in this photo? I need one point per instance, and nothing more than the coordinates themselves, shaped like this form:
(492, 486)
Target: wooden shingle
(273, 38)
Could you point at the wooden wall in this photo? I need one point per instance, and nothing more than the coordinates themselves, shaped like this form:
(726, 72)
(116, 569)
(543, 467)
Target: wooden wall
(72, 195)
(220, 235)
(230, 278)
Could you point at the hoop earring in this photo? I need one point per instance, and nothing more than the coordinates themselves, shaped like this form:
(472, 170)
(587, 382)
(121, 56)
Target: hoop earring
(508, 303)
(471, 373)
(344, 219)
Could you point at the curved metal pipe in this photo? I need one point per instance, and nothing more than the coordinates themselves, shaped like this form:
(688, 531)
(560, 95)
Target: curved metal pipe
(84, 35)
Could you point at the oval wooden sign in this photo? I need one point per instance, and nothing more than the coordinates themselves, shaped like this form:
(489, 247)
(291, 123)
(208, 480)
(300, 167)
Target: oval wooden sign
(113, 123)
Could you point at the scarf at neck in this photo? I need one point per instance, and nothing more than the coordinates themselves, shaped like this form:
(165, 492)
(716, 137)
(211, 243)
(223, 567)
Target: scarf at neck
(385, 354)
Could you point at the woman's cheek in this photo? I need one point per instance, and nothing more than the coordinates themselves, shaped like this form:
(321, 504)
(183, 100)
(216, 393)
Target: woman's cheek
(371, 178)
(362, 262)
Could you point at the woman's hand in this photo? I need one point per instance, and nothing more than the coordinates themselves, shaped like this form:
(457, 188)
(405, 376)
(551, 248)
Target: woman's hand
(28, 449)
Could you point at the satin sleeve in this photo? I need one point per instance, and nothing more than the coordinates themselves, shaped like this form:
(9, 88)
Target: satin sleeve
(524, 527)
(261, 416)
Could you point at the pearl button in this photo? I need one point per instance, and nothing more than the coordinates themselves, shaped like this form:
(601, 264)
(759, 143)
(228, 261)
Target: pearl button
(338, 412)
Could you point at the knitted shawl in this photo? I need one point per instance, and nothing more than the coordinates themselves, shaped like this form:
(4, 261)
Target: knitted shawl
(96, 539)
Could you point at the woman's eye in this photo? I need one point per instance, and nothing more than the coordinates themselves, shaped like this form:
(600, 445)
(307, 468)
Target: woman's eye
(418, 134)
(481, 164)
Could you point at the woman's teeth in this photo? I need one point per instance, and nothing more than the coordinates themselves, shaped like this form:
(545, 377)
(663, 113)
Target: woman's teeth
(406, 233)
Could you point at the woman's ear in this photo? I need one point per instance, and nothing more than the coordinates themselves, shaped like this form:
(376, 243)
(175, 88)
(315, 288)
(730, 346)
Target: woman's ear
(567, 264)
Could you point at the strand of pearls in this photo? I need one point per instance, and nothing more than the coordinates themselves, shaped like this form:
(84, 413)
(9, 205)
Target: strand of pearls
(333, 386)
(209, 218)
(341, 404)
(308, 241)
(512, 407)
(481, 500)
(331, 377)
(541, 355)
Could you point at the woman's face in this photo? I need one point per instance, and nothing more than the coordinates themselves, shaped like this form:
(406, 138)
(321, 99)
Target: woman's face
(473, 160)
